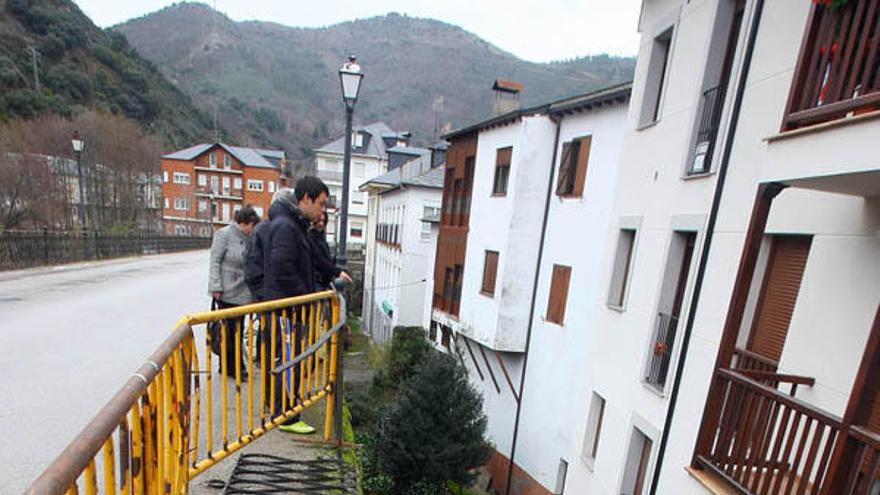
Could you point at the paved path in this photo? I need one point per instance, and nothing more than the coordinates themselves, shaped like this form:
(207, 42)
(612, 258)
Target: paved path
(69, 338)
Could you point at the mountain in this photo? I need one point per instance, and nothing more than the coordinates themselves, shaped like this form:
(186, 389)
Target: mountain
(53, 59)
(278, 85)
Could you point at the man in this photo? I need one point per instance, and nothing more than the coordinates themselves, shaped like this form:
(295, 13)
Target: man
(258, 243)
(289, 270)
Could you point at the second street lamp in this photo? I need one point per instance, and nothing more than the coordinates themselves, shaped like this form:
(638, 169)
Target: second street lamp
(78, 144)
(350, 76)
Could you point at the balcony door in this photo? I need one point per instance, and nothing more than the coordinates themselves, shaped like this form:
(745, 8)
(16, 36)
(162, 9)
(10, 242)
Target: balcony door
(782, 282)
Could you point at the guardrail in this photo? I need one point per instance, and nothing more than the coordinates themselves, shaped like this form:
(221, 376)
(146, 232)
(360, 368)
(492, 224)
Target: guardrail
(164, 419)
(30, 248)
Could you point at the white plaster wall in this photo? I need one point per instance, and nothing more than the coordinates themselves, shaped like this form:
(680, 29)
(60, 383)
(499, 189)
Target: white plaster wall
(503, 224)
(373, 167)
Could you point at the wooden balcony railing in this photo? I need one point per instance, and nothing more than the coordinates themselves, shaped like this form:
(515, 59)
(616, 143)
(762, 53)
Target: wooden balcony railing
(767, 442)
(748, 360)
(839, 64)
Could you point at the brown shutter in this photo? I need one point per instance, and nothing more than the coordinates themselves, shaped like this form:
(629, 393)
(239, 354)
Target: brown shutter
(782, 281)
(558, 293)
(503, 156)
(564, 170)
(581, 169)
(490, 269)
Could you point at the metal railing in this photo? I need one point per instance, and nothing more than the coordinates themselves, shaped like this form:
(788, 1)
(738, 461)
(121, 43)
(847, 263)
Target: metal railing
(707, 133)
(166, 426)
(25, 249)
(661, 356)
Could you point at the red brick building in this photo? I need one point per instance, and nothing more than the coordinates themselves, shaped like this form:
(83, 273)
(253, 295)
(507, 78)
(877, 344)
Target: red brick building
(203, 186)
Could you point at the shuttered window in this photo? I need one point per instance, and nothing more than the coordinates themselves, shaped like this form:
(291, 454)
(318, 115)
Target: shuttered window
(558, 294)
(490, 270)
(782, 282)
(502, 171)
(573, 167)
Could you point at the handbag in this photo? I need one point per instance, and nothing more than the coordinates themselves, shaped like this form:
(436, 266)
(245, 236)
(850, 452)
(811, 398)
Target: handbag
(215, 330)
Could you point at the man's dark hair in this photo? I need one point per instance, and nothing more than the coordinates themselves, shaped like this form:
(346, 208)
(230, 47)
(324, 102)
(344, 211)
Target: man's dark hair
(310, 186)
(247, 214)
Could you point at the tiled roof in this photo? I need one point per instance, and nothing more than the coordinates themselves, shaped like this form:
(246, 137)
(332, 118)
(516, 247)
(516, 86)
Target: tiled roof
(250, 157)
(431, 177)
(409, 150)
(375, 147)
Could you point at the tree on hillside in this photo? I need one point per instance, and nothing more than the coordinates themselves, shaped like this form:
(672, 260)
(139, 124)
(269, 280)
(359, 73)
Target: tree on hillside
(434, 432)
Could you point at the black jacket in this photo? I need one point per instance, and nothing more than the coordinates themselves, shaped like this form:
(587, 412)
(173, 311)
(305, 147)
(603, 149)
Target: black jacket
(257, 245)
(325, 263)
(288, 268)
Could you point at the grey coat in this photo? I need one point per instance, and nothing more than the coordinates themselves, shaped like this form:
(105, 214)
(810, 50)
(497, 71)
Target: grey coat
(227, 266)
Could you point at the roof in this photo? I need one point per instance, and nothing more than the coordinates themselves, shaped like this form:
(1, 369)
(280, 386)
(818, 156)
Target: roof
(431, 178)
(507, 85)
(610, 95)
(375, 146)
(250, 157)
(409, 150)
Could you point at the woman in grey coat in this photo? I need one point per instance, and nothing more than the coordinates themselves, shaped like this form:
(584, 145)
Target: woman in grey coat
(226, 277)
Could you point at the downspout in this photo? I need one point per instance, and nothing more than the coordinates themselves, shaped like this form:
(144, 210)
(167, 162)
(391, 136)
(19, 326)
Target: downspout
(707, 243)
(522, 380)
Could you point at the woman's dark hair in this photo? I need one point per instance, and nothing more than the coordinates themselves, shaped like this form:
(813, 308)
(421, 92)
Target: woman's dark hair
(310, 186)
(247, 214)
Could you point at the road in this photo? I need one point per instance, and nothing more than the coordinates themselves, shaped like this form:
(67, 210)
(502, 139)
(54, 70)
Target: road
(70, 336)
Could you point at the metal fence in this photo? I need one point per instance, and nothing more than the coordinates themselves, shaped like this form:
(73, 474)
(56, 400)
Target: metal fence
(24, 249)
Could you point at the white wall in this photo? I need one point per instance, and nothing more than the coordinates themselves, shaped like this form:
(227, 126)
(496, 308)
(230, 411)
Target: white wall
(331, 166)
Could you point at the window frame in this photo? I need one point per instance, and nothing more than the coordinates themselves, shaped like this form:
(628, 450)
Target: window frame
(593, 432)
(181, 178)
(622, 292)
(181, 201)
(487, 276)
(501, 178)
(558, 293)
(656, 79)
(212, 159)
(573, 165)
(252, 182)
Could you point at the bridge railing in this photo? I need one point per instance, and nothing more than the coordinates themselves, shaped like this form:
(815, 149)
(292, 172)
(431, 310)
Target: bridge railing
(174, 419)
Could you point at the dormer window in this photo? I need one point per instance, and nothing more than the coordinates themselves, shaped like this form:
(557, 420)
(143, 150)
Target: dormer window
(357, 140)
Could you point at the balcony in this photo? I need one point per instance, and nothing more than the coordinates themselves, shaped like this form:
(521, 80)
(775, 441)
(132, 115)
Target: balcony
(838, 67)
(710, 118)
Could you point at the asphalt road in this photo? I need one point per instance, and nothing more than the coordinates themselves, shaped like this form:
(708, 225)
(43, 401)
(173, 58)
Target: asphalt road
(70, 336)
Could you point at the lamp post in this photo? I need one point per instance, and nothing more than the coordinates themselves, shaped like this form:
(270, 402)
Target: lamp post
(78, 144)
(350, 76)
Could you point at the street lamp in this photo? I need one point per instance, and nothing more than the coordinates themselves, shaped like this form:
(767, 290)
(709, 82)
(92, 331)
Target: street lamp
(78, 144)
(350, 76)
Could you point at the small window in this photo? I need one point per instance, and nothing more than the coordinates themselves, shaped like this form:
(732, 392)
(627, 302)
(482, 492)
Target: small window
(357, 140)
(181, 178)
(656, 78)
(622, 266)
(357, 230)
(203, 179)
(635, 473)
(165, 176)
(558, 297)
(490, 271)
(237, 183)
(255, 185)
(212, 160)
(561, 473)
(594, 428)
(227, 162)
(271, 186)
(203, 205)
(181, 204)
(226, 183)
(573, 167)
(167, 204)
(502, 171)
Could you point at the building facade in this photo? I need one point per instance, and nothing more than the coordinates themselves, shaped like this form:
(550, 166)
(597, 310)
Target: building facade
(404, 207)
(203, 186)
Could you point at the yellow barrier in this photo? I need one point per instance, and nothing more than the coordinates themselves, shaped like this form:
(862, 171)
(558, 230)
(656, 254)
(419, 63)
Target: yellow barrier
(165, 420)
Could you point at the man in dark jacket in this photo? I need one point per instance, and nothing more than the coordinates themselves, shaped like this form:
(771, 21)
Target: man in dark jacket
(289, 270)
(258, 243)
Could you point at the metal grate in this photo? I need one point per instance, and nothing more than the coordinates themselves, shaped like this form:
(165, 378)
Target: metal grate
(269, 474)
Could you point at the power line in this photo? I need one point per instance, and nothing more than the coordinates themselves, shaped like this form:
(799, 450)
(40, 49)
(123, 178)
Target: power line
(396, 286)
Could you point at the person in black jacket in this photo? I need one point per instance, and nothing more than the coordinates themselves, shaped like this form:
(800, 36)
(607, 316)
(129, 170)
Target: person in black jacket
(325, 261)
(258, 243)
(289, 270)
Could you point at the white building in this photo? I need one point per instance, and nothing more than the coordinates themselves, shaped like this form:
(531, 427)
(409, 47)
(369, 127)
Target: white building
(404, 207)
(503, 175)
(723, 335)
(369, 158)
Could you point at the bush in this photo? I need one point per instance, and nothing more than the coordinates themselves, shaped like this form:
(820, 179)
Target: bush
(434, 431)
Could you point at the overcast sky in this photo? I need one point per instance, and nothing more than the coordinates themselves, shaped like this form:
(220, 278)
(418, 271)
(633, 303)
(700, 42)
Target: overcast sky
(539, 31)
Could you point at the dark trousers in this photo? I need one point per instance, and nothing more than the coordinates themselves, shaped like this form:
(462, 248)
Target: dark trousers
(231, 325)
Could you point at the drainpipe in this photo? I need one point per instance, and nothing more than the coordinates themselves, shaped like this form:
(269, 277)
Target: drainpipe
(707, 243)
(522, 380)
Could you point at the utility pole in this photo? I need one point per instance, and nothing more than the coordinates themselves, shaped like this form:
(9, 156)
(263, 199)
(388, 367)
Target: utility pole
(34, 54)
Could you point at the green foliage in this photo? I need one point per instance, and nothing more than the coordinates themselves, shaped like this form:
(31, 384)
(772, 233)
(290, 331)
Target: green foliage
(67, 80)
(434, 431)
(268, 119)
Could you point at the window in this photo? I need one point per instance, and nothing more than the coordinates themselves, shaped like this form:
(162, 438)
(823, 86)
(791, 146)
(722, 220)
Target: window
(181, 178)
(255, 185)
(259, 210)
(215, 184)
(236, 183)
(225, 212)
(203, 205)
(182, 229)
(594, 429)
(331, 201)
(490, 270)
(657, 66)
(357, 139)
(558, 294)
(181, 204)
(561, 473)
(622, 264)
(573, 167)
(359, 169)
(428, 211)
(165, 176)
(166, 204)
(212, 160)
(227, 162)
(357, 197)
(357, 229)
(502, 171)
(226, 182)
(271, 186)
(635, 473)
(203, 179)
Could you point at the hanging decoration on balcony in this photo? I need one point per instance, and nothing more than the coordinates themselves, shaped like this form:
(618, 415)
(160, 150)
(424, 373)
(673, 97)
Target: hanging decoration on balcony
(834, 4)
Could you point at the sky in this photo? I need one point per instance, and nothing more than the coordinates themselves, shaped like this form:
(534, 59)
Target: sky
(538, 31)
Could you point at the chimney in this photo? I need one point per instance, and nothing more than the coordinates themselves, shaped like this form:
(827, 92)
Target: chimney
(506, 96)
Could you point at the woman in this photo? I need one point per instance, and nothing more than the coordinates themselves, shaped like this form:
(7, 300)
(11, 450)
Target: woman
(226, 282)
